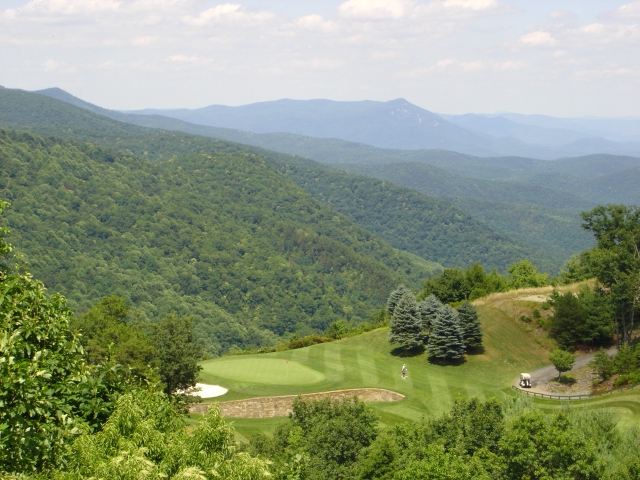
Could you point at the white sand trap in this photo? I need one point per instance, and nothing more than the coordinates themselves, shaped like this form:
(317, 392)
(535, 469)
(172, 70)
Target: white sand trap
(208, 391)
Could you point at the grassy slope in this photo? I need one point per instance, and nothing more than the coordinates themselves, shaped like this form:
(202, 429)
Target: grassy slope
(367, 361)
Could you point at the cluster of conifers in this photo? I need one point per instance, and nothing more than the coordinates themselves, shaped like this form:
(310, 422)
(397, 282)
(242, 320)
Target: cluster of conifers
(447, 332)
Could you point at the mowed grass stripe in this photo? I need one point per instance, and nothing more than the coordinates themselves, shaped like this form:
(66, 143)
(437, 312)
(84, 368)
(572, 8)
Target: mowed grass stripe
(367, 361)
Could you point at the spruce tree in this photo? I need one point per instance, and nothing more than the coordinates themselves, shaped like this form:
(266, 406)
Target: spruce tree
(428, 308)
(471, 330)
(446, 339)
(395, 296)
(405, 326)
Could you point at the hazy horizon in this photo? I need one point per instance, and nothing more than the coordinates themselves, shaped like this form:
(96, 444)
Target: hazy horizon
(563, 58)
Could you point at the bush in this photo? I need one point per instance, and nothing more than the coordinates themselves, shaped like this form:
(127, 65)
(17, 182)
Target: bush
(308, 341)
(628, 379)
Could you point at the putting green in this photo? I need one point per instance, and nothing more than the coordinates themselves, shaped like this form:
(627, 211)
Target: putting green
(270, 371)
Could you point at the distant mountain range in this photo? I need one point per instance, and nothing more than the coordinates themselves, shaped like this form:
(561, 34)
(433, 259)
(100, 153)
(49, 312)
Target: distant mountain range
(398, 124)
(535, 202)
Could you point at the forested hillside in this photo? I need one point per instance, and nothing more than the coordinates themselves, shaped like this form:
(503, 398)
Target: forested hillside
(452, 235)
(429, 227)
(436, 181)
(220, 236)
(541, 218)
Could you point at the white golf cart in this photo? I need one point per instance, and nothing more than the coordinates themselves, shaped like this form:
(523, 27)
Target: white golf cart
(525, 380)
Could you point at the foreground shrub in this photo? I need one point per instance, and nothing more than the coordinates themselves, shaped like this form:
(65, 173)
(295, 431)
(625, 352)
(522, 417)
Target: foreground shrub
(145, 437)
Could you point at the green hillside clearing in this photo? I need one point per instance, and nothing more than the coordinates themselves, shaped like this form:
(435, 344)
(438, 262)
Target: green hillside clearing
(369, 361)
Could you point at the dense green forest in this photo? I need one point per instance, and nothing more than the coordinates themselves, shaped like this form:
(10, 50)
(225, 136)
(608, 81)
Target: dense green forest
(432, 180)
(449, 231)
(429, 227)
(223, 237)
(535, 216)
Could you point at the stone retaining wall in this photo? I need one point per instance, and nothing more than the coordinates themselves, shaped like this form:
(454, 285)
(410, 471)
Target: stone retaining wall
(268, 407)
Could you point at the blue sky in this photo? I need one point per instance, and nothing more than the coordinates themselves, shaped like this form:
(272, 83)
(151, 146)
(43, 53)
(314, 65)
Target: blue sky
(562, 58)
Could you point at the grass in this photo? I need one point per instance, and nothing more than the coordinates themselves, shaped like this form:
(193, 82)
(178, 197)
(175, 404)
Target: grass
(510, 347)
(368, 361)
(260, 370)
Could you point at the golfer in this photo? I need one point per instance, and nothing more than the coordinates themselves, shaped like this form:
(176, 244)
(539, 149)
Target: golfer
(404, 371)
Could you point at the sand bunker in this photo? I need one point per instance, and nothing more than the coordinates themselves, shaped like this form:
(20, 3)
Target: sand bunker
(208, 391)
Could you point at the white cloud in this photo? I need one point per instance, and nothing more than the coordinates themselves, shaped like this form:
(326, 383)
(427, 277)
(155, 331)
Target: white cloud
(629, 10)
(70, 7)
(315, 22)
(539, 38)
(472, 4)
(320, 63)
(450, 63)
(228, 12)
(511, 65)
(560, 14)
(53, 66)
(140, 41)
(222, 50)
(600, 33)
(375, 9)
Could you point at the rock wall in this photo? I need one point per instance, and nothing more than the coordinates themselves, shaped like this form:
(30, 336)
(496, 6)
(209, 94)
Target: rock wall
(268, 407)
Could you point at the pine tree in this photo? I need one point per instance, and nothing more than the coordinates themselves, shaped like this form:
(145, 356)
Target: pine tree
(405, 326)
(428, 309)
(446, 339)
(395, 296)
(471, 330)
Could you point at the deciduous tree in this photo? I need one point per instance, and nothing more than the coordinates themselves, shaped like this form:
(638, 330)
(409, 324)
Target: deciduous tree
(562, 360)
(525, 274)
(178, 354)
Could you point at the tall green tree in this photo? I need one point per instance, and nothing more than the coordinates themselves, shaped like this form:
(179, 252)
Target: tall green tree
(470, 323)
(428, 309)
(524, 274)
(47, 390)
(178, 354)
(615, 260)
(405, 328)
(562, 360)
(450, 286)
(582, 319)
(446, 340)
(395, 297)
(108, 334)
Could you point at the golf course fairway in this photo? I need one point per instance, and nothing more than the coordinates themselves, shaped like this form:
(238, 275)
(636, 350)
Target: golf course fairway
(368, 360)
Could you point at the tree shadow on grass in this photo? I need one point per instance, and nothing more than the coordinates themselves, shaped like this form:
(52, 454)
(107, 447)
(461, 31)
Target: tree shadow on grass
(566, 380)
(476, 351)
(411, 352)
(445, 362)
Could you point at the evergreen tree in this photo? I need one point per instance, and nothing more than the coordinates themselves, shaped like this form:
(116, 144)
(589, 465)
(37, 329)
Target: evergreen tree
(446, 339)
(405, 326)
(428, 309)
(395, 296)
(471, 330)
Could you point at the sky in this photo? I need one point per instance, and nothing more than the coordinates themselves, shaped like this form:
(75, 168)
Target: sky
(561, 58)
